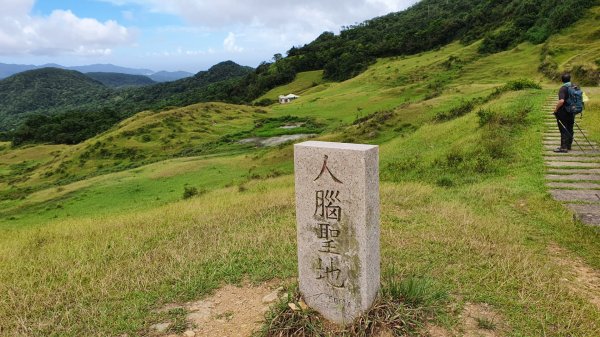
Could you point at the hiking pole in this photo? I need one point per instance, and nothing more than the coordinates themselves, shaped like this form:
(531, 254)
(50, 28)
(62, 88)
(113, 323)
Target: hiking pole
(570, 135)
(584, 136)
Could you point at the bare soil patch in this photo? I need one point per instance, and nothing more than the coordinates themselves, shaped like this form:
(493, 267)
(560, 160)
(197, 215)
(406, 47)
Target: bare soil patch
(231, 311)
(477, 320)
(584, 280)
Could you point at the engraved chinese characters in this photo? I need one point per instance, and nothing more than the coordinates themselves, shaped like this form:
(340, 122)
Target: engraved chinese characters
(337, 201)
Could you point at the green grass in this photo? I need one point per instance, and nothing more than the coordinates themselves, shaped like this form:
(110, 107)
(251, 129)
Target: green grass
(484, 239)
(465, 214)
(303, 82)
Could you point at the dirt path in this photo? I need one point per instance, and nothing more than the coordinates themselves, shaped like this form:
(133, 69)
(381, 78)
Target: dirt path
(584, 280)
(231, 311)
(574, 177)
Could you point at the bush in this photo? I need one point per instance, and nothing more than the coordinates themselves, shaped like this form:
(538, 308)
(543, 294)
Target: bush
(549, 68)
(189, 192)
(445, 182)
(485, 116)
(265, 102)
(585, 76)
(522, 84)
(462, 109)
(500, 40)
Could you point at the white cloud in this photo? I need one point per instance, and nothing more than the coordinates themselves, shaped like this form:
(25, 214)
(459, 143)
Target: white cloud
(229, 44)
(181, 52)
(280, 23)
(62, 32)
(128, 15)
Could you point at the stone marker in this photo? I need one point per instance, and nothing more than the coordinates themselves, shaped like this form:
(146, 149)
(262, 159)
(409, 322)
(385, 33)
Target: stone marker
(337, 214)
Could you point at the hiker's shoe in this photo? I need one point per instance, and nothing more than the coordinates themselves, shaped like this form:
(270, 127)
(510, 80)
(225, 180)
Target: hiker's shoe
(561, 150)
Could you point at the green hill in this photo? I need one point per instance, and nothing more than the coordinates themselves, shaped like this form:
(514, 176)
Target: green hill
(118, 80)
(45, 91)
(72, 119)
(105, 232)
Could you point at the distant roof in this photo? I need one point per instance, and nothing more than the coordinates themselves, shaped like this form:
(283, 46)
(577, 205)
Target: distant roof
(289, 96)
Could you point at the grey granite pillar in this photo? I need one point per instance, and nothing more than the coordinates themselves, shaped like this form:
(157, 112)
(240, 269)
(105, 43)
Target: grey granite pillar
(337, 214)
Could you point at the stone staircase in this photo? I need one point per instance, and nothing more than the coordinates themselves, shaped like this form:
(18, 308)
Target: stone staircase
(574, 177)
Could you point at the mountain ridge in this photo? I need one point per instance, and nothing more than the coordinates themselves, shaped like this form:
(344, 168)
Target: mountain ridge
(8, 69)
(77, 106)
(120, 80)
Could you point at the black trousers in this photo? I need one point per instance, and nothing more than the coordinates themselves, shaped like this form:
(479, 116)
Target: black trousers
(566, 136)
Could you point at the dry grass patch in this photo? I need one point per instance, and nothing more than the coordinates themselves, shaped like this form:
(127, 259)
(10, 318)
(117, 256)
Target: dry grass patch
(582, 279)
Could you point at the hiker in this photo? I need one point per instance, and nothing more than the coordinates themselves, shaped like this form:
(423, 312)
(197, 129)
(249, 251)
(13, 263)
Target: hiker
(565, 119)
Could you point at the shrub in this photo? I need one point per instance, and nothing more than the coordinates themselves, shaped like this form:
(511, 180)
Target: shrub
(537, 35)
(445, 182)
(586, 76)
(522, 84)
(549, 68)
(500, 40)
(189, 192)
(265, 102)
(462, 109)
(485, 116)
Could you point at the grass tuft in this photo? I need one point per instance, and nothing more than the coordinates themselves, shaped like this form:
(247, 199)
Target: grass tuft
(402, 308)
(486, 324)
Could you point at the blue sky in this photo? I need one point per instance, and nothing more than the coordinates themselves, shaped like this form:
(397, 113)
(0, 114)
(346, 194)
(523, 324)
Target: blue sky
(170, 35)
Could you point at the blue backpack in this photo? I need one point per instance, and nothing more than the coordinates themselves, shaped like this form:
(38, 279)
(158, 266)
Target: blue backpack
(574, 102)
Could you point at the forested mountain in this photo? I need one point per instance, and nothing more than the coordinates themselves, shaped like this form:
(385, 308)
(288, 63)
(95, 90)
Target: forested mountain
(433, 23)
(46, 91)
(74, 112)
(188, 90)
(119, 80)
(168, 76)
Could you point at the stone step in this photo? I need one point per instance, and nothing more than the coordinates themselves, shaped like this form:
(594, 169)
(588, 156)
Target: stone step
(553, 128)
(573, 186)
(576, 195)
(580, 147)
(575, 152)
(573, 177)
(555, 131)
(572, 164)
(587, 213)
(580, 159)
(557, 142)
(554, 170)
(557, 139)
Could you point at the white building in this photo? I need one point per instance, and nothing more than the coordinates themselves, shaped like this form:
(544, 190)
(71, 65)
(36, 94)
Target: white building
(287, 98)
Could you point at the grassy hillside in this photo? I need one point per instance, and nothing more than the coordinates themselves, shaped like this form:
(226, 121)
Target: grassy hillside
(303, 82)
(95, 236)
